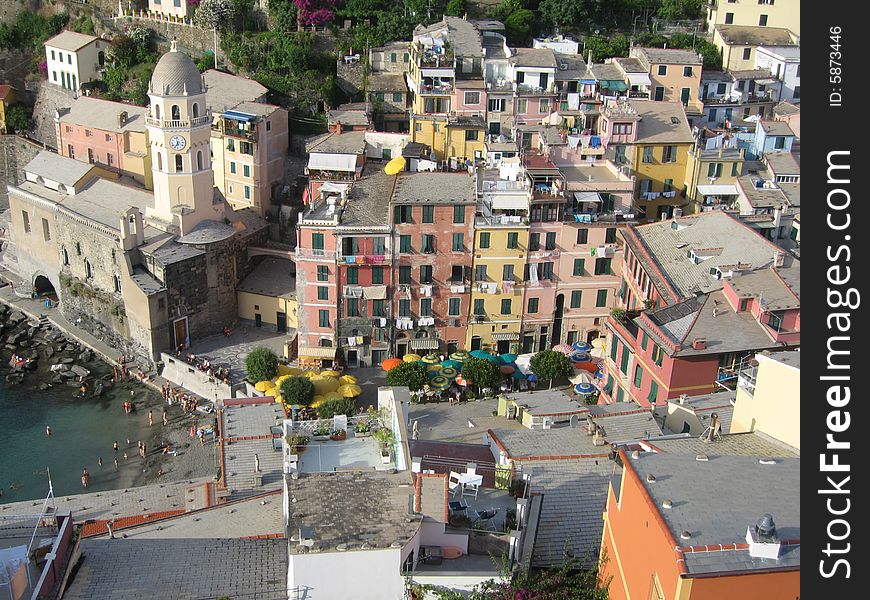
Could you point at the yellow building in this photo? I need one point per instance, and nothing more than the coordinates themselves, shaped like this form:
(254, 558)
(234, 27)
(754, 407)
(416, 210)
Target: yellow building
(756, 13)
(675, 75)
(769, 397)
(501, 244)
(711, 178)
(267, 297)
(739, 44)
(7, 98)
(659, 155)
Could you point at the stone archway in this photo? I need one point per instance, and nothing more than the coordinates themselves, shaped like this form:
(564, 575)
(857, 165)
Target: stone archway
(43, 287)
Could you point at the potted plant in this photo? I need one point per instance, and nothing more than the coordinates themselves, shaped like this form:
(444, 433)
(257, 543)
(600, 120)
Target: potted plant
(362, 428)
(322, 433)
(297, 442)
(338, 435)
(385, 439)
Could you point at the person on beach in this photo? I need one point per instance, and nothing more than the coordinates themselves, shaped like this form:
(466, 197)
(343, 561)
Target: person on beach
(114, 373)
(115, 445)
(48, 430)
(116, 462)
(150, 418)
(129, 442)
(165, 418)
(100, 461)
(86, 478)
(125, 455)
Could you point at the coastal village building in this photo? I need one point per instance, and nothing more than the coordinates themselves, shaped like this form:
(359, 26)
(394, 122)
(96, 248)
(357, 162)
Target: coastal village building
(699, 294)
(148, 271)
(733, 97)
(784, 62)
(110, 134)
(675, 75)
(388, 98)
(171, 8)
(711, 178)
(739, 44)
(74, 59)
(763, 13)
(768, 396)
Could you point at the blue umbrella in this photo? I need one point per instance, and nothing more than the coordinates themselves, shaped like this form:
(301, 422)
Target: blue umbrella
(508, 358)
(582, 346)
(579, 356)
(599, 374)
(584, 388)
(532, 377)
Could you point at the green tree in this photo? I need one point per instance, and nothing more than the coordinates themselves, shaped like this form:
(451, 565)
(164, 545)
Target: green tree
(480, 372)
(455, 8)
(410, 375)
(518, 25)
(338, 406)
(673, 10)
(549, 364)
(560, 12)
(297, 390)
(261, 364)
(283, 13)
(18, 119)
(214, 14)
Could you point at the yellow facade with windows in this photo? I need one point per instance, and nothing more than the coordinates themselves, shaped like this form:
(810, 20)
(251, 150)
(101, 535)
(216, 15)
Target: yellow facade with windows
(706, 167)
(664, 166)
(431, 131)
(496, 321)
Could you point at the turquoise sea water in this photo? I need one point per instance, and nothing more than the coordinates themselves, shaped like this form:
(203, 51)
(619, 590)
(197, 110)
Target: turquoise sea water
(82, 431)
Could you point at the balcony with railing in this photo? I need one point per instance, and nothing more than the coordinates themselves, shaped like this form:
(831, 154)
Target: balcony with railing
(230, 128)
(365, 259)
(530, 89)
(747, 374)
(178, 123)
(315, 254)
(436, 87)
(500, 220)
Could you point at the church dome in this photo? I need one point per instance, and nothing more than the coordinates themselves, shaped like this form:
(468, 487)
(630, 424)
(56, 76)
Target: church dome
(176, 75)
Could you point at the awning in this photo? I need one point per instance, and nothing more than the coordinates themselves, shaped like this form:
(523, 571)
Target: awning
(238, 115)
(332, 162)
(338, 188)
(718, 190)
(766, 81)
(375, 292)
(502, 337)
(587, 196)
(316, 352)
(506, 202)
(613, 85)
(424, 344)
(639, 79)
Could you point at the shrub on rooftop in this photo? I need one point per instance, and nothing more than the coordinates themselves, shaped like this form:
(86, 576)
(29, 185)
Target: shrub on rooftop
(261, 364)
(297, 390)
(407, 374)
(338, 406)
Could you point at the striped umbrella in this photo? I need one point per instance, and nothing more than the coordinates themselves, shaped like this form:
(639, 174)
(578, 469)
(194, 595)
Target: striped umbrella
(578, 356)
(431, 372)
(432, 359)
(460, 355)
(584, 388)
(439, 382)
(412, 357)
(564, 349)
(433, 368)
(391, 363)
(449, 372)
(452, 364)
(582, 346)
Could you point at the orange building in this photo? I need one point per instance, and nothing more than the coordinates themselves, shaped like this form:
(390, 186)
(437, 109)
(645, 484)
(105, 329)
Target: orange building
(680, 528)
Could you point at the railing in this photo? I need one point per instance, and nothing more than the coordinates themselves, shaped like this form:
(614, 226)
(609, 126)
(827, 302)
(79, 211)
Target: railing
(505, 186)
(746, 376)
(365, 259)
(638, 94)
(500, 86)
(238, 133)
(525, 88)
(315, 254)
(436, 90)
(502, 221)
(176, 123)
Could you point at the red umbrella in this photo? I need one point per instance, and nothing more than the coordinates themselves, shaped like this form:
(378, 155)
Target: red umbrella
(391, 363)
(586, 366)
(506, 369)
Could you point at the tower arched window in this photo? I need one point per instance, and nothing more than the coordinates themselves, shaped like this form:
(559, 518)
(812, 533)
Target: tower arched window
(179, 163)
(131, 225)
(199, 160)
(176, 112)
(195, 109)
(157, 111)
(159, 161)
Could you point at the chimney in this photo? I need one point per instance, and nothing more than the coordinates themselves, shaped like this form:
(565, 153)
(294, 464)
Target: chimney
(122, 118)
(763, 539)
(778, 259)
(337, 127)
(683, 398)
(699, 343)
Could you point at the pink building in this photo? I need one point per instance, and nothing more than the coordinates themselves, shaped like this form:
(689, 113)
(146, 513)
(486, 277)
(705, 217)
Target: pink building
(433, 218)
(534, 73)
(699, 295)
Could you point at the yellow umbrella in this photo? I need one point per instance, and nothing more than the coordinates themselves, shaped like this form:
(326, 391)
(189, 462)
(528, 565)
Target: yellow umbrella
(262, 386)
(310, 374)
(432, 359)
(330, 373)
(599, 342)
(347, 380)
(395, 166)
(350, 391)
(288, 370)
(325, 384)
(412, 358)
(318, 400)
(331, 396)
(433, 368)
(279, 399)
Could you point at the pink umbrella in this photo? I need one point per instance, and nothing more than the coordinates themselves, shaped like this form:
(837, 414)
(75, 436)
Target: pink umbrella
(564, 349)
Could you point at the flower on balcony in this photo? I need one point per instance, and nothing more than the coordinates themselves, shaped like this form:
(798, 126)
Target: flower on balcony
(43, 67)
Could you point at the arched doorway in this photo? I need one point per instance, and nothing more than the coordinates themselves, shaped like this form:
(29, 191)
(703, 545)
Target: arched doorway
(43, 288)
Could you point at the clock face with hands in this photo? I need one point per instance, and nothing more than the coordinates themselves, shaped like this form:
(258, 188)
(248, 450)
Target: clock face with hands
(176, 142)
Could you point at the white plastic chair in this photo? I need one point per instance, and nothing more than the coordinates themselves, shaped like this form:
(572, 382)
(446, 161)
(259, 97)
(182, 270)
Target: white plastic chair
(453, 482)
(470, 489)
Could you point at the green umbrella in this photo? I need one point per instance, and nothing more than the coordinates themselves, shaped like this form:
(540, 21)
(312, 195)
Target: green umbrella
(460, 355)
(430, 373)
(508, 358)
(449, 372)
(453, 364)
(439, 382)
(518, 374)
(431, 359)
(486, 356)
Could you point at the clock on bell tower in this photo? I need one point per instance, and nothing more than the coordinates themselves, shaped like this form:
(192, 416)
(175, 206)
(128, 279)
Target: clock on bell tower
(179, 128)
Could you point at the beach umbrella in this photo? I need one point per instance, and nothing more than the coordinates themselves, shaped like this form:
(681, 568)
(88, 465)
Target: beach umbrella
(460, 355)
(508, 358)
(439, 382)
(433, 368)
(532, 377)
(324, 384)
(432, 372)
(347, 380)
(507, 369)
(563, 348)
(599, 342)
(412, 357)
(486, 356)
(432, 359)
(262, 386)
(586, 366)
(395, 166)
(330, 373)
(582, 346)
(599, 374)
(452, 364)
(391, 363)
(317, 401)
(578, 356)
(518, 374)
(279, 399)
(350, 391)
(310, 374)
(449, 372)
(584, 388)
(581, 377)
(330, 396)
(524, 363)
(461, 380)
(288, 370)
